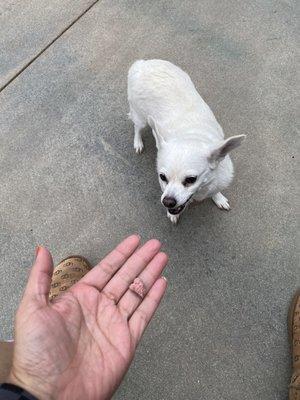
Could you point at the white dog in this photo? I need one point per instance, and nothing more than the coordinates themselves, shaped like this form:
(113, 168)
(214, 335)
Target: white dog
(192, 158)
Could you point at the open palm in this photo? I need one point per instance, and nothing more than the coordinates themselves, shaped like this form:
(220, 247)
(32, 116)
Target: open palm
(81, 345)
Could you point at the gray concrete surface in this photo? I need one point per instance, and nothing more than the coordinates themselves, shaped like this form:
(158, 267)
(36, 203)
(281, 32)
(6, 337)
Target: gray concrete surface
(27, 27)
(71, 181)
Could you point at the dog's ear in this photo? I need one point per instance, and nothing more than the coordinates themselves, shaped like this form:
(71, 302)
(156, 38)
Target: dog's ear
(224, 148)
(155, 129)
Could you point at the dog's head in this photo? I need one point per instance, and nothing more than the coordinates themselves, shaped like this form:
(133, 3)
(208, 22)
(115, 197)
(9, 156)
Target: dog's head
(186, 167)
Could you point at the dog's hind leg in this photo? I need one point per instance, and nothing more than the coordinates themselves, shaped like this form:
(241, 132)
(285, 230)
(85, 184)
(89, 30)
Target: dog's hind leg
(221, 201)
(139, 125)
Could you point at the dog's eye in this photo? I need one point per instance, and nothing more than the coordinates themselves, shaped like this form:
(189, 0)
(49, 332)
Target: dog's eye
(189, 180)
(163, 177)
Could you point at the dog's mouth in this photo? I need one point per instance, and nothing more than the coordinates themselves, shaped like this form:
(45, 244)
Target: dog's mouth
(176, 210)
(179, 209)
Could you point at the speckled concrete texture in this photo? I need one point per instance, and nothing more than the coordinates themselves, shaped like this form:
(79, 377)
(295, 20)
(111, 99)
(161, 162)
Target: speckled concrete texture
(27, 27)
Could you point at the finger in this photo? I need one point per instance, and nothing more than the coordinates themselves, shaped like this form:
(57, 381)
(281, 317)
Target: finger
(130, 300)
(143, 314)
(118, 285)
(39, 281)
(106, 268)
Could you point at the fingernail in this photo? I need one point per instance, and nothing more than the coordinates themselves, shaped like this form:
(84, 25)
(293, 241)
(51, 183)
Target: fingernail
(37, 251)
(165, 278)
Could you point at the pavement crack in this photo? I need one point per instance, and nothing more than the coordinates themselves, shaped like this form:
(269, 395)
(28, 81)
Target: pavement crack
(111, 151)
(32, 60)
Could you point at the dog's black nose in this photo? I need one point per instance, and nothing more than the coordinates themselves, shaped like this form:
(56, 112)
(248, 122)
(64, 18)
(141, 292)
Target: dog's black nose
(169, 202)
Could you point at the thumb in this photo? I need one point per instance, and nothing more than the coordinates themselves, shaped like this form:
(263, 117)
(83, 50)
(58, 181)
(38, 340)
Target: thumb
(39, 281)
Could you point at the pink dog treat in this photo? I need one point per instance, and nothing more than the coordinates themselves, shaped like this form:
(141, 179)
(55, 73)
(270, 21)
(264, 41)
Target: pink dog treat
(138, 287)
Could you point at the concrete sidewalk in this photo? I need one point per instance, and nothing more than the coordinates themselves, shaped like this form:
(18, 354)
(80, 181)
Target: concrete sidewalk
(70, 179)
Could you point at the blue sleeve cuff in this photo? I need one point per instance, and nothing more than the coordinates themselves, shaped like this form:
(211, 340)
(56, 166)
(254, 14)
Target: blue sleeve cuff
(13, 392)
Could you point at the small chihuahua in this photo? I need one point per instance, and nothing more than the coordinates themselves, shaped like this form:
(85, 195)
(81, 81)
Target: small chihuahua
(192, 157)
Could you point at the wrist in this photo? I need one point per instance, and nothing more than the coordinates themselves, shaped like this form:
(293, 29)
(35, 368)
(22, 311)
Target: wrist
(9, 391)
(32, 385)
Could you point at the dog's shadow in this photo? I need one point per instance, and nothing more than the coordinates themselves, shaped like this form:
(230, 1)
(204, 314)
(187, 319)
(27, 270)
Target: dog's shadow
(149, 141)
(145, 161)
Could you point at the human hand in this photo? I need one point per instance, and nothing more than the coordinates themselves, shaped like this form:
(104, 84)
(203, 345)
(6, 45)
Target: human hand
(80, 345)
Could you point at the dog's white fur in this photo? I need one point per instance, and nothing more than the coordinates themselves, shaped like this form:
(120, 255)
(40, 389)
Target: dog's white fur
(189, 140)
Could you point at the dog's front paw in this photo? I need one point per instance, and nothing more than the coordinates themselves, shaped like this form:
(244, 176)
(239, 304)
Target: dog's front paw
(138, 145)
(139, 149)
(173, 218)
(221, 201)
